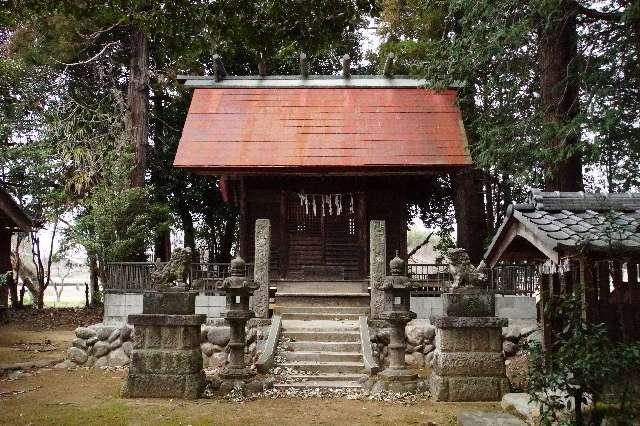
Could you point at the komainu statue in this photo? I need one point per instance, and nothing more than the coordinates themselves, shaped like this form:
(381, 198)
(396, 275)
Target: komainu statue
(463, 272)
(175, 272)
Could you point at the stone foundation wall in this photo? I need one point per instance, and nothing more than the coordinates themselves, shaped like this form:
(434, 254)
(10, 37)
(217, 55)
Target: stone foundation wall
(420, 343)
(100, 345)
(106, 345)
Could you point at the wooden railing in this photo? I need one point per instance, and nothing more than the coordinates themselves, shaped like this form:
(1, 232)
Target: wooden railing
(433, 278)
(135, 277)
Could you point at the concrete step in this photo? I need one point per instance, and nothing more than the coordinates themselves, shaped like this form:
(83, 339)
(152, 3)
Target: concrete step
(322, 356)
(325, 346)
(311, 287)
(319, 316)
(322, 299)
(322, 336)
(315, 384)
(320, 325)
(363, 310)
(326, 366)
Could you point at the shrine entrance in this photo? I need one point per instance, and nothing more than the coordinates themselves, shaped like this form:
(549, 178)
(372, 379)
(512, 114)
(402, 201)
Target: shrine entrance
(324, 236)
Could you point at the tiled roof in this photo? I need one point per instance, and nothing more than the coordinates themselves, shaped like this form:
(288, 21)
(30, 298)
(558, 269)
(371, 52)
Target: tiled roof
(251, 130)
(568, 221)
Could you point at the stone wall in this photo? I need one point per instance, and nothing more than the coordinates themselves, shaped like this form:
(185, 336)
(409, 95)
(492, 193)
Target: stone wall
(117, 306)
(100, 345)
(519, 310)
(103, 345)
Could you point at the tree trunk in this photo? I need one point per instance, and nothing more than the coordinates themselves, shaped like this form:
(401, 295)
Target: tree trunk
(226, 241)
(138, 103)
(470, 213)
(94, 285)
(469, 199)
(189, 232)
(557, 51)
(162, 246)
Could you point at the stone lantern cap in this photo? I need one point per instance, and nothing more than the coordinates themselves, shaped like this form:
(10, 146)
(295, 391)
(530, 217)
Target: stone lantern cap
(237, 282)
(397, 280)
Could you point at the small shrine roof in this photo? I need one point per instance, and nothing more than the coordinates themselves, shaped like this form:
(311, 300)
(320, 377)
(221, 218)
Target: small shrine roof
(564, 223)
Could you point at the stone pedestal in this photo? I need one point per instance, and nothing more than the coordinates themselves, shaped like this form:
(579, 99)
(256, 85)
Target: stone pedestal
(166, 360)
(468, 363)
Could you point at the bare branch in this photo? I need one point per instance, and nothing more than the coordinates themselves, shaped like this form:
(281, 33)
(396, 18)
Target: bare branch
(598, 15)
(94, 57)
(419, 246)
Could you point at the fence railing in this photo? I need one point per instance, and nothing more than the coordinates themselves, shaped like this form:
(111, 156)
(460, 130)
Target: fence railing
(512, 279)
(433, 278)
(135, 277)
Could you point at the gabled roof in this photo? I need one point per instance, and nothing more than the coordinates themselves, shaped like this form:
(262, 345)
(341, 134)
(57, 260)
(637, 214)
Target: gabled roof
(12, 216)
(243, 126)
(564, 223)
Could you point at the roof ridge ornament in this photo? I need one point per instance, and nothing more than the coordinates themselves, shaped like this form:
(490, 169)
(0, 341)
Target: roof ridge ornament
(346, 66)
(219, 73)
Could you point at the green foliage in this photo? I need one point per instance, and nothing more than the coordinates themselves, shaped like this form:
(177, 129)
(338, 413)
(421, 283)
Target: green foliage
(583, 363)
(118, 222)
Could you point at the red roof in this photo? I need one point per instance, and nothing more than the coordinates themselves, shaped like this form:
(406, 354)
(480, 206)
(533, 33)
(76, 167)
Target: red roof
(236, 130)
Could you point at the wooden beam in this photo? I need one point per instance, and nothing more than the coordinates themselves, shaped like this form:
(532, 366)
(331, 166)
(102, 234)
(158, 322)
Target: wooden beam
(388, 65)
(346, 66)
(304, 68)
(219, 73)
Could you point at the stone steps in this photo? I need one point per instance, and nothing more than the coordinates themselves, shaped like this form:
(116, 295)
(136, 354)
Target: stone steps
(332, 367)
(329, 349)
(319, 326)
(299, 336)
(302, 299)
(314, 384)
(319, 316)
(322, 356)
(330, 346)
(362, 310)
(346, 286)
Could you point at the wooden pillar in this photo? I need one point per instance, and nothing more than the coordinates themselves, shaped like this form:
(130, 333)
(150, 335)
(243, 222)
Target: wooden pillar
(5, 263)
(545, 298)
(243, 225)
(589, 291)
(604, 290)
(361, 212)
(619, 289)
(284, 236)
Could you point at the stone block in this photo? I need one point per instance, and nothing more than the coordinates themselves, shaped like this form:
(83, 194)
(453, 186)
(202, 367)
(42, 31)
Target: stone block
(159, 361)
(468, 322)
(171, 302)
(468, 302)
(467, 389)
(469, 363)
(188, 386)
(469, 339)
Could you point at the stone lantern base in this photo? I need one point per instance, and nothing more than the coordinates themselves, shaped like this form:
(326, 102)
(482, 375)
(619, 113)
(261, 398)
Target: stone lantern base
(468, 363)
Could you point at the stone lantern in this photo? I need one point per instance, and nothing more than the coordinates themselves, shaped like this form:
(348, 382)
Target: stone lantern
(397, 288)
(237, 290)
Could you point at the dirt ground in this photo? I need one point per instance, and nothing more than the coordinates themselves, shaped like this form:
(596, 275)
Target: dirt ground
(91, 396)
